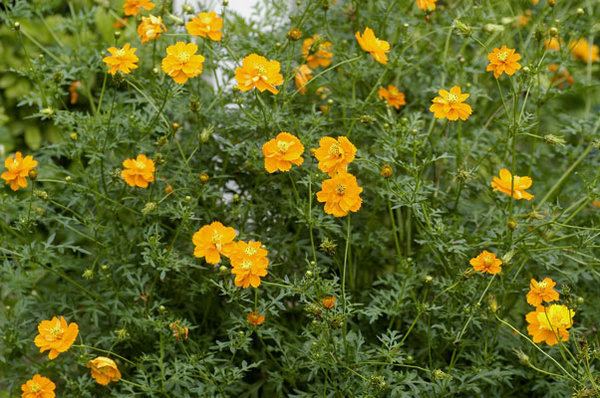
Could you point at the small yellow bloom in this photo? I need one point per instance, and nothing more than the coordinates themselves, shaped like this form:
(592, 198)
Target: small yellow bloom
(56, 336)
(341, 195)
(550, 324)
(584, 51)
(104, 370)
(374, 46)
(334, 155)
(121, 60)
(150, 28)
(17, 170)
(282, 152)
(512, 186)
(450, 105)
(181, 62)
(249, 263)
(392, 96)
(213, 240)
(552, 44)
(302, 77)
(486, 262)
(206, 24)
(138, 172)
(317, 52)
(258, 72)
(38, 387)
(133, 7)
(542, 291)
(426, 5)
(503, 60)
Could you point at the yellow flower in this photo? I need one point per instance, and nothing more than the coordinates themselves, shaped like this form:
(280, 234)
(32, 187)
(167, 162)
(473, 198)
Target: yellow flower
(584, 51)
(512, 186)
(552, 44)
(542, 292)
(121, 60)
(17, 170)
(206, 24)
(249, 263)
(181, 62)
(334, 155)
(302, 77)
(550, 324)
(150, 28)
(486, 262)
(56, 336)
(426, 5)
(341, 195)
(257, 71)
(392, 96)
(451, 105)
(38, 387)
(503, 60)
(213, 240)
(104, 370)
(282, 151)
(374, 46)
(138, 172)
(317, 52)
(133, 7)
(328, 302)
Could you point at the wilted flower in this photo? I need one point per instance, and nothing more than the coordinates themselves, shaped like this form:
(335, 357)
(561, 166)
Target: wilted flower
(550, 324)
(206, 24)
(38, 387)
(486, 262)
(138, 172)
(512, 186)
(56, 336)
(282, 151)
(17, 170)
(121, 60)
(180, 332)
(104, 370)
(450, 105)
(374, 46)
(182, 62)
(257, 71)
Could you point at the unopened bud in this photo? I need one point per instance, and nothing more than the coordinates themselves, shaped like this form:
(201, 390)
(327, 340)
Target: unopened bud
(17, 26)
(553, 31)
(294, 34)
(554, 140)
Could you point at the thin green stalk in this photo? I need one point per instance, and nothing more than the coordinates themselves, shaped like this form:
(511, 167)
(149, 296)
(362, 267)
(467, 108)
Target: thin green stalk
(344, 303)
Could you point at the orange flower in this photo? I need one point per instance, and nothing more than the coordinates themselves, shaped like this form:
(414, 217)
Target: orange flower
(550, 324)
(486, 262)
(596, 203)
(121, 60)
(257, 71)
(104, 370)
(255, 319)
(179, 331)
(17, 170)
(133, 7)
(150, 28)
(584, 51)
(181, 62)
(73, 92)
(541, 291)
(317, 52)
(451, 105)
(206, 24)
(552, 44)
(212, 240)
(374, 46)
(334, 155)
(55, 335)
(282, 151)
(138, 172)
(341, 195)
(392, 96)
(38, 387)
(523, 19)
(426, 5)
(503, 60)
(249, 263)
(512, 186)
(302, 77)
(561, 78)
(328, 302)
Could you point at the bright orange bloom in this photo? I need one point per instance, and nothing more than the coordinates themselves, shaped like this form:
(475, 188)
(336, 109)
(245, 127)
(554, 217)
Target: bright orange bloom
(374, 46)
(302, 77)
(249, 263)
(334, 155)
(150, 28)
(328, 302)
(55, 335)
(426, 5)
(550, 324)
(257, 71)
(541, 291)
(392, 96)
(38, 387)
(451, 105)
(121, 60)
(341, 195)
(213, 240)
(17, 170)
(104, 370)
(512, 186)
(181, 62)
(317, 52)
(133, 7)
(584, 51)
(503, 60)
(282, 151)
(255, 319)
(74, 92)
(206, 24)
(138, 172)
(552, 44)
(486, 262)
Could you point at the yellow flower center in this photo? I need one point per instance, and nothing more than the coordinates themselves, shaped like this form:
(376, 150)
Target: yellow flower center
(56, 331)
(452, 98)
(216, 237)
(246, 264)
(183, 56)
(340, 189)
(488, 261)
(250, 251)
(503, 56)
(283, 146)
(35, 387)
(120, 53)
(206, 21)
(140, 165)
(335, 150)
(542, 284)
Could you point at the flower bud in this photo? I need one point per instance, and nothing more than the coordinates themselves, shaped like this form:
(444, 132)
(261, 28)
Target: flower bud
(553, 31)
(149, 208)
(551, 3)
(41, 194)
(17, 26)
(73, 136)
(294, 34)
(204, 178)
(169, 189)
(580, 11)
(88, 274)
(554, 140)
(223, 269)
(386, 171)
(188, 9)
(462, 27)
(33, 173)
(512, 224)
(117, 34)
(68, 178)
